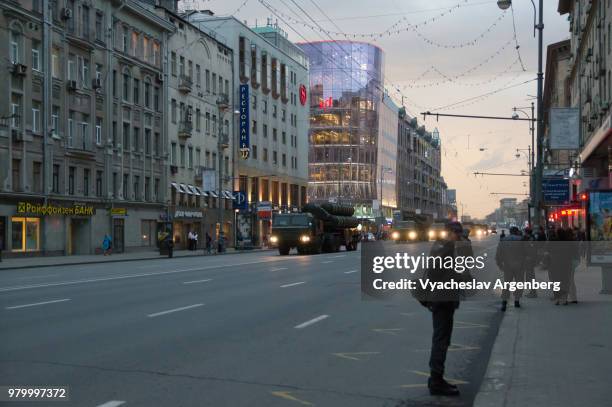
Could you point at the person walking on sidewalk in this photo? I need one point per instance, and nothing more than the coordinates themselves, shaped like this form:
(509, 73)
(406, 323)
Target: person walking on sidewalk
(510, 259)
(107, 244)
(442, 304)
(208, 243)
(564, 254)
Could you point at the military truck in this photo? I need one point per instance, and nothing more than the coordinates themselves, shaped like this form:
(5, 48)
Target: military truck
(318, 228)
(411, 226)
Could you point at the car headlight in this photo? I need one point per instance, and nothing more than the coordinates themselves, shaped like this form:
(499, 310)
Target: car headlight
(412, 235)
(479, 232)
(431, 234)
(395, 235)
(444, 234)
(273, 239)
(359, 227)
(305, 238)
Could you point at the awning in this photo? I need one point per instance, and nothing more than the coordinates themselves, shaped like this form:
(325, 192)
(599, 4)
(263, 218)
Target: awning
(179, 187)
(200, 191)
(186, 189)
(228, 195)
(194, 190)
(213, 194)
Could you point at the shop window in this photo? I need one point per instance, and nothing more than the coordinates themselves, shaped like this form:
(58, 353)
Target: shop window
(25, 234)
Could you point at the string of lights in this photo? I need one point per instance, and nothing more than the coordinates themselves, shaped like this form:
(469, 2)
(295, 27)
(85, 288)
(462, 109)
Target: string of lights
(516, 44)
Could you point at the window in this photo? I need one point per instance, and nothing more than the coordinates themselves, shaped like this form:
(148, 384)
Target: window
(190, 157)
(207, 81)
(274, 158)
(25, 234)
(70, 129)
(274, 135)
(156, 53)
(36, 56)
(36, 177)
(115, 185)
(198, 76)
(83, 72)
(284, 160)
(85, 136)
(214, 125)
(198, 162)
(126, 136)
(136, 139)
(72, 68)
(157, 144)
(85, 22)
(182, 149)
(16, 40)
(265, 130)
(254, 152)
(145, 49)
(134, 45)
(99, 183)
(147, 141)
(35, 117)
(71, 175)
(136, 99)
(207, 123)
(265, 155)
(173, 154)
(55, 186)
(214, 83)
(86, 182)
(98, 131)
(198, 119)
(284, 137)
(55, 63)
(126, 86)
(136, 187)
(156, 104)
(125, 186)
(274, 110)
(264, 106)
(182, 65)
(16, 110)
(147, 94)
(147, 189)
(114, 83)
(156, 189)
(254, 101)
(254, 127)
(124, 39)
(55, 120)
(173, 111)
(99, 25)
(283, 115)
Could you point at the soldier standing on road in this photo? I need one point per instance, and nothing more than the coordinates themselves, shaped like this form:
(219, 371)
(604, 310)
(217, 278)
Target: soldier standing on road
(442, 304)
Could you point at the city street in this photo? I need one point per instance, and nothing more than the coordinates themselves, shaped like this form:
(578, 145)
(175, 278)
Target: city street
(254, 329)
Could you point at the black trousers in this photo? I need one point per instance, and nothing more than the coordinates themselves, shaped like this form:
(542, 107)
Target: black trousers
(442, 315)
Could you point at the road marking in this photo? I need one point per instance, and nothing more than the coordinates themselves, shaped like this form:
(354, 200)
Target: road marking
(157, 314)
(287, 396)
(312, 321)
(112, 403)
(198, 281)
(125, 276)
(327, 262)
(338, 256)
(391, 331)
(354, 355)
(278, 268)
(458, 346)
(464, 325)
(292, 284)
(350, 271)
(38, 303)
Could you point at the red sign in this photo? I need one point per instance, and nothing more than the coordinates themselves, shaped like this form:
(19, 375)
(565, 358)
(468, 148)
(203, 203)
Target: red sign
(303, 95)
(325, 103)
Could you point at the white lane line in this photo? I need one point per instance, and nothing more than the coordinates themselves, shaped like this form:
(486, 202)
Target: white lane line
(38, 303)
(350, 271)
(292, 284)
(170, 311)
(278, 268)
(327, 262)
(312, 321)
(121, 277)
(198, 281)
(338, 256)
(112, 403)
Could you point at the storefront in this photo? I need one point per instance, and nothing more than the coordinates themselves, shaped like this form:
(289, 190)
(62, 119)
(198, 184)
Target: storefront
(185, 220)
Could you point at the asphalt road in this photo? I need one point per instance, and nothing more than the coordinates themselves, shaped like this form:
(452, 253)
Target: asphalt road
(254, 329)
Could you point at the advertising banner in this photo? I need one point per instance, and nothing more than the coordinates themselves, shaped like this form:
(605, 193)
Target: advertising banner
(244, 142)
(556, 190)
(600, 227)
(564, 129)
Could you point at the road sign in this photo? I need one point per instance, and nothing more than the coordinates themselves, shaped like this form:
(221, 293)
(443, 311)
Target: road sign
(240, 201)
(556, 190)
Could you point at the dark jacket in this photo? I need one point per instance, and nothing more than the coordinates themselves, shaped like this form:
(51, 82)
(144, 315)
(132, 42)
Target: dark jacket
(443, 249)
(510, 253)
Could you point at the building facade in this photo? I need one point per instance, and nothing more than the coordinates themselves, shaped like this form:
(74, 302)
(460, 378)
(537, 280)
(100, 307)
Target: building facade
(270, 165)
(387, 157)
(82, 140)
(590, 87)
(346, 79)
(200, 97)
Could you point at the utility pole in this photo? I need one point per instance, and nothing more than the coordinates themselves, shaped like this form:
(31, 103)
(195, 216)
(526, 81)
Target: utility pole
(222, 106)
(540, 135)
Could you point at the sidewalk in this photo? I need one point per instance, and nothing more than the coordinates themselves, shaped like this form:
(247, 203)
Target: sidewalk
(30, 262)
(547, 355)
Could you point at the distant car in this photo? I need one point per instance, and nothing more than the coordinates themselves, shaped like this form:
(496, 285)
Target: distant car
(493, 230)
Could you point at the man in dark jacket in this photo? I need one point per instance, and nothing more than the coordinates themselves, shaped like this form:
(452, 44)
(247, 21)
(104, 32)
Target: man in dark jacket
(510, 258)
(442, 304)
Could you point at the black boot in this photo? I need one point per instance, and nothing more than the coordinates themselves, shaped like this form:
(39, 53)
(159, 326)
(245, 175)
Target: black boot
(517, 304)
(440, 387)
(504, 305)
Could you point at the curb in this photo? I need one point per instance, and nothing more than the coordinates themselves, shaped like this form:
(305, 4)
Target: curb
(497, 380)
(130, 259)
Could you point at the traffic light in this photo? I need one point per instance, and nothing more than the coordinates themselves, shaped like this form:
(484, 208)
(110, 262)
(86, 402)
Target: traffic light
(584, 196)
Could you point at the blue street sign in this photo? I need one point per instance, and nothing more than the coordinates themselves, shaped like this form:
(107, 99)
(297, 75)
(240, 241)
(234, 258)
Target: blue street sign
(556, 190)
(244, 142)
(240, 201)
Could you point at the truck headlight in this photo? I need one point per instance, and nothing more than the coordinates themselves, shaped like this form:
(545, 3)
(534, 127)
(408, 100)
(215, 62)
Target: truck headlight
(479, 232)
(273, 239)
(412, 235)
(444, 234)
(431, 234)
(304, 238)
(395, 235)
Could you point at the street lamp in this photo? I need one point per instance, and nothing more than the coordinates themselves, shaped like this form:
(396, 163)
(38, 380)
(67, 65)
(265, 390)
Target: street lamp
(539, 168)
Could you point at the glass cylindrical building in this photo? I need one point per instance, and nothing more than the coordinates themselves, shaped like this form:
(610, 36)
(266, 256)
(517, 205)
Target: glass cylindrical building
(346, 87)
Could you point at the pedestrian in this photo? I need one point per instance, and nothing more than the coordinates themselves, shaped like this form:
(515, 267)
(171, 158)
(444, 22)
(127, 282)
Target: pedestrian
(564, 254)
(107, 245)
(169, 245)
(502, 236)
(195, 240)
(442, 304)
(511, 261)
(208, 243)
(190, 240)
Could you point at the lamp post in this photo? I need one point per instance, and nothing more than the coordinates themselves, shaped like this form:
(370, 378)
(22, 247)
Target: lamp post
(539, 168)
(222, 144)
(528, 152)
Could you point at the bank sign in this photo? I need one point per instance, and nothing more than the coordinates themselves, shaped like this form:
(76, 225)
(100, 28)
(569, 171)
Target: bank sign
(27, 208)
(245, 143)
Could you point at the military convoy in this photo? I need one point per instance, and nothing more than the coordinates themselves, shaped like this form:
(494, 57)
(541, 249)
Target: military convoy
(410, 226)
(318, 228)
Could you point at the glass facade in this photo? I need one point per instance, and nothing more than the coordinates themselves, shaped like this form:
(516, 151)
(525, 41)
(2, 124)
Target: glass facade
(346, 82)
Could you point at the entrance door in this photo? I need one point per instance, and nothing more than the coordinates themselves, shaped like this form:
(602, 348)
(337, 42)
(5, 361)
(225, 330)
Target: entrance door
(118, 230)
(79, 236)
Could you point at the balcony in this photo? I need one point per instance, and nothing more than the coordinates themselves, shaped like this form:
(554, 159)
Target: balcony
(223, 101)
(185, 129)
(185, 84)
